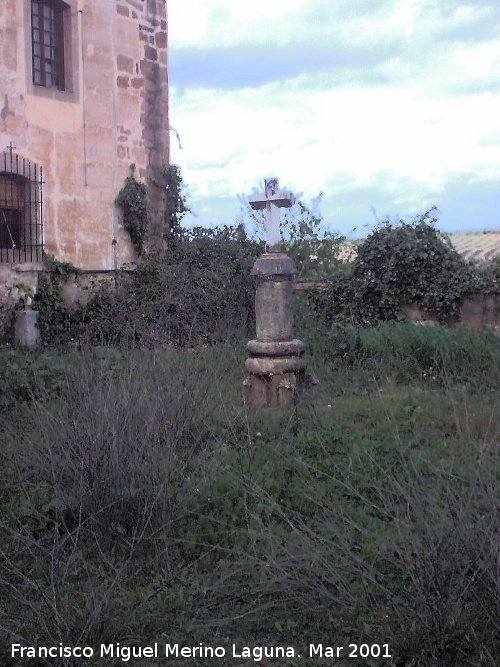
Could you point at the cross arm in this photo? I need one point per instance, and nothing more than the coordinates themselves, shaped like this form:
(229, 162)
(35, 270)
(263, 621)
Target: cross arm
(257, 201)
(282, 199)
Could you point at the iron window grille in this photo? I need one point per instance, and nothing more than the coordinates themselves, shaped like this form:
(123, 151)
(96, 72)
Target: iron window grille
(47, 38)
(21, 207)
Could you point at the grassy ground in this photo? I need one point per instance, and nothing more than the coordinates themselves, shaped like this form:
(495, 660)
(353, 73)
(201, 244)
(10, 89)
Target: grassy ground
(141, 503)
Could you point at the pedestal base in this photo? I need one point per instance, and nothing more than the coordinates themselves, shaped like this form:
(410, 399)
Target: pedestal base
(281, 392)
(276, 374)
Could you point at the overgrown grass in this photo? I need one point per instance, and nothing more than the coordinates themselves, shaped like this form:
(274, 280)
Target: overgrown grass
(353, 534)
(140, 501)
(401, 352)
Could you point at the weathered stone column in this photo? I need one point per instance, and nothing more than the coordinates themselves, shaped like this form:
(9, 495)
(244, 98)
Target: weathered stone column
(276, 367)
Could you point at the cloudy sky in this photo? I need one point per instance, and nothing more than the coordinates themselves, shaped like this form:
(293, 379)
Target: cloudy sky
(387, 107)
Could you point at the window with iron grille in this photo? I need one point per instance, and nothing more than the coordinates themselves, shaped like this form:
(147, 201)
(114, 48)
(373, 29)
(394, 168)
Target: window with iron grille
(21, 232)
(47, 37)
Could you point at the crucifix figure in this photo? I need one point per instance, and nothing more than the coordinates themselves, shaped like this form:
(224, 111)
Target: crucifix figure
(272, 199)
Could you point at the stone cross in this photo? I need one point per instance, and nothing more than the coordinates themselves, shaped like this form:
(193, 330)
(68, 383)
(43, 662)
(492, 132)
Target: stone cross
(272, 199)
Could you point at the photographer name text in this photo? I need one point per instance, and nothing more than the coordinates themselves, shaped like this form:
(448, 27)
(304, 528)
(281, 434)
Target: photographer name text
(156, 650)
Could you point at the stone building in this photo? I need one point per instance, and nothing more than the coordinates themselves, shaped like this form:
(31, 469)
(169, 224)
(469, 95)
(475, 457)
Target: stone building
(83, 95)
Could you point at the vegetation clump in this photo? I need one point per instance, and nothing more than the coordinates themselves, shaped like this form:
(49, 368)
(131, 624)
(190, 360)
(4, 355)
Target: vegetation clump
(132, 199)
(176, 204)
(405, 263)
(138, 498)
(54, 315)
(197, 291)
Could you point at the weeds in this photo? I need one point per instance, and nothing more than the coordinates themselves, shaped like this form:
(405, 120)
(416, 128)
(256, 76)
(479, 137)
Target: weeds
(139, 499)
(401, 352)
(99, 477)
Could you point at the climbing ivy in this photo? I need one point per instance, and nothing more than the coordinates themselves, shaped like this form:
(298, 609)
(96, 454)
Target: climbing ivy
(54, 318)
(176, 206)
(132, 199)
(59, 270)
(402, 263)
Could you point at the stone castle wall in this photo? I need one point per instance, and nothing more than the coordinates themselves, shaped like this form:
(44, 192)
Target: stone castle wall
(113, 112)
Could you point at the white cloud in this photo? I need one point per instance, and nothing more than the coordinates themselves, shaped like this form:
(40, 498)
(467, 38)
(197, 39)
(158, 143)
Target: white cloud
(435, 117)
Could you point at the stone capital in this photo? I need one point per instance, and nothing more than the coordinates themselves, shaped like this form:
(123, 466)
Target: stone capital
(259, 348)
(274, 264)
(275, 365)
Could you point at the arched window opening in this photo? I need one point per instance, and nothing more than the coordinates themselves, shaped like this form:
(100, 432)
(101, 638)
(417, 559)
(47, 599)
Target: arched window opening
(21, 230)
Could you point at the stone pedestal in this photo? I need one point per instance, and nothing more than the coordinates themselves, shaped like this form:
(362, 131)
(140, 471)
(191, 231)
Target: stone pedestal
(276, 367)
(26, 330)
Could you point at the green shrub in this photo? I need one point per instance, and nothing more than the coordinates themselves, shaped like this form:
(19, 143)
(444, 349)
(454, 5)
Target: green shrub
(404, 263)
(26, 375)
(485, 277)
(198, 291)
(54, 319)
(132, 199)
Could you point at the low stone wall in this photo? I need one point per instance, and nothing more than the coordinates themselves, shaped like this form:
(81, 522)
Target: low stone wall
(79, 288)
(481, 311)
(478, 311)
(16, 280)
(19, 282)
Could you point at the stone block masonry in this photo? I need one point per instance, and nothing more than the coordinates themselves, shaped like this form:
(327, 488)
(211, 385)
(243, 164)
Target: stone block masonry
(111, 111)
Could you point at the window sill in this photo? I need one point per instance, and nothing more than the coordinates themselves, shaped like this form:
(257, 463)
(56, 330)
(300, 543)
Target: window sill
(53, 93)
(22, 267)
